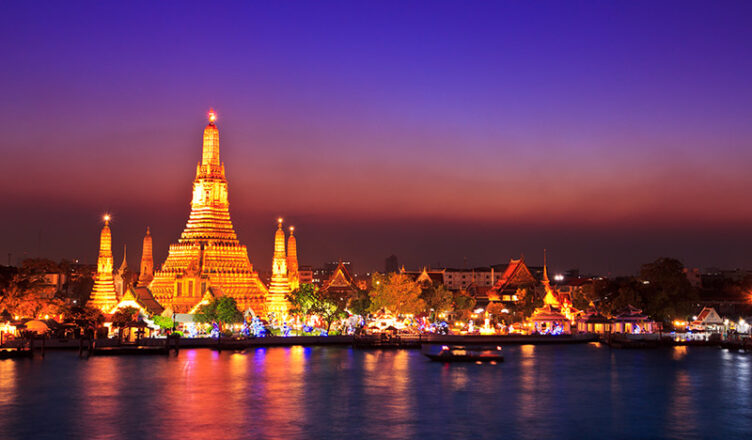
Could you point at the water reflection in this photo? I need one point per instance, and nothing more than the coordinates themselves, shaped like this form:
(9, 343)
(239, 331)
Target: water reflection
(538, 392)
(8, 383)
(682, 413)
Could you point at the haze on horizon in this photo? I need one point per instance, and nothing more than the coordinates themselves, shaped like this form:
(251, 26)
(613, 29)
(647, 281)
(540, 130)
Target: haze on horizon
(609, 133)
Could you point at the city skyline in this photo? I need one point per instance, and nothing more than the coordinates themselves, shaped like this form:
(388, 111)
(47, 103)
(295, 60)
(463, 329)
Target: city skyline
(437, 134)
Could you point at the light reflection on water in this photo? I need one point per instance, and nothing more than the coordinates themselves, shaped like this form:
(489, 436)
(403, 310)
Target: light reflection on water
(296, 392)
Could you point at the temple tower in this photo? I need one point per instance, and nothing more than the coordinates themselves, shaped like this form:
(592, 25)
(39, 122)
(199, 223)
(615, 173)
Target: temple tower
(103, 294)
(121, 277)
(147, 261)
(208, 253)
(292, 260)
(279, 287)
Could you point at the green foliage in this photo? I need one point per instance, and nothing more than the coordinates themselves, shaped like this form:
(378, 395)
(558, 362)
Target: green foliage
(222, 310)
(303, 299)
(396, 293)
(667, 293)
(462, 304)
(163, 322)
(309, 300)
(227, 310)
(438, 299)
(524, 308)
(360, 303)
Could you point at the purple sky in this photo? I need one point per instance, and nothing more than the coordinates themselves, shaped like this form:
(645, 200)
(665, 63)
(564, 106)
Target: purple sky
(611, 133)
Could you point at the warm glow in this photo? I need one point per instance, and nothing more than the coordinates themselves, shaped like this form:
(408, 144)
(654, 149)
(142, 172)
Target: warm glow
(208, 253)
(212, 116)
(107, 217)
(292, 228)
(279, 220)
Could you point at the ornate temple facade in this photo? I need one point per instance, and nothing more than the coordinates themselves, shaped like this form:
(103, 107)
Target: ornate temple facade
(147, 261)
(208, 253)
(279, 287)
(103, 294)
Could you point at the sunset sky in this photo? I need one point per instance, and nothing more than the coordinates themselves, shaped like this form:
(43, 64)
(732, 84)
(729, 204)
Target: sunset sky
(610, 133)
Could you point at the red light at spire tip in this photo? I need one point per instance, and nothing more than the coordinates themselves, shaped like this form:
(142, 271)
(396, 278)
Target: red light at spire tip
(212, 116)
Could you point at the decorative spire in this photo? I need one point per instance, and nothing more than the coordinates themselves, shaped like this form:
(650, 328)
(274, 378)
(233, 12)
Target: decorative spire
(147, 261)
(280, 284)
(124, 264)
(210, 156)
(103, 294)
(546, 281)
(292, 260)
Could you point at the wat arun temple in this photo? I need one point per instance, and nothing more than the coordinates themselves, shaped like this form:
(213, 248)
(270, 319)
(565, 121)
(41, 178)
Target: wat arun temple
(208, 260)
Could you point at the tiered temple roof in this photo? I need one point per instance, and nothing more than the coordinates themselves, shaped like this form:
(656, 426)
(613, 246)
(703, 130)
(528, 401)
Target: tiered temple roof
(279, 287)
(103, 294)
(208, 252)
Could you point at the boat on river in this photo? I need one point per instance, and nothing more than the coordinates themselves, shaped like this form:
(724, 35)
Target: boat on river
(463, 353)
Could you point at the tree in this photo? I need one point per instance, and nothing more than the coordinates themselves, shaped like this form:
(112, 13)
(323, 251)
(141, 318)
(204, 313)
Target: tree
(227, 311)
(309, 300)
(21, 294)
(163, 322)
(667, 292)
(438, 299)
(396, 293)
(462, 303)
(124, 317)
(303, 299)
(85, 316)
(360, 303)
(223, 310)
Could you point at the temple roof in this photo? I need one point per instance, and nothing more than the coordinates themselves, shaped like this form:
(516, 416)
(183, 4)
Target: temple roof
(708, 315)
(142, 298)
(548, 313)
(516, 273)
(340, 278)
(631, 313)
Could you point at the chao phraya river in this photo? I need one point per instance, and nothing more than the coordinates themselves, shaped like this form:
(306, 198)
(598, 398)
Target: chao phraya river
(539, 392)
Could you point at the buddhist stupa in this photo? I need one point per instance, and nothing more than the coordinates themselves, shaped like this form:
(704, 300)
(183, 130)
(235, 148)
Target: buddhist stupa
(292, 260)
(103, 294)
(208, 253)
(279, 287)
(147, 261)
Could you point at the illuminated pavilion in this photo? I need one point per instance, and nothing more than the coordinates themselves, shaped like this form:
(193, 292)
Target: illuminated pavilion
(103, 294)
(279, 287)
(208, 253)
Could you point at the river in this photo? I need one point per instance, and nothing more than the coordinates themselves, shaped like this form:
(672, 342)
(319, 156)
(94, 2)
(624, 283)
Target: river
(539, 392)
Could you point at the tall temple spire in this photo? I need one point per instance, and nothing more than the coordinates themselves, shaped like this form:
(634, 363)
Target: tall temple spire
(210, 156)
(147, 261)
(550, 297)
(103, 294)
(279, 287)
(208, 253)
(124, 264)
(292, 260)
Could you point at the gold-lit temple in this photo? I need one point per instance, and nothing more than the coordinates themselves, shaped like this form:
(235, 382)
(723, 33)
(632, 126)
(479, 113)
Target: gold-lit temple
(147, 261)
(208, 253)
(292, 260)
(279, 287)
(103, 294)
